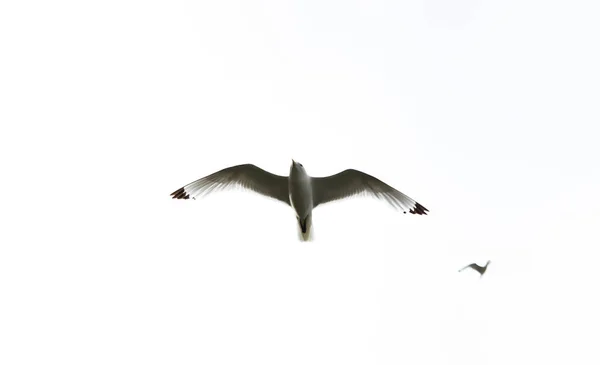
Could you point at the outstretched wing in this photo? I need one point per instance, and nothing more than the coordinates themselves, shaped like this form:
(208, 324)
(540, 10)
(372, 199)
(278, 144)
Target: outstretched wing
(472, 266)
(353, 182)
(247, 176)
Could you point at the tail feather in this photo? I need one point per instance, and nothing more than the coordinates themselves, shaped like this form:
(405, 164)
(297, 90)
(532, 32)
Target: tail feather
(305, 229)
(305, 236)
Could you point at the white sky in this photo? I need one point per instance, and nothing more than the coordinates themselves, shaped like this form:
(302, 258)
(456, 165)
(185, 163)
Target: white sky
(485, 112)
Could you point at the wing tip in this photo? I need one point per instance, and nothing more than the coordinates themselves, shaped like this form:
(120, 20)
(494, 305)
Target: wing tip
(180, 194)
(419, 209)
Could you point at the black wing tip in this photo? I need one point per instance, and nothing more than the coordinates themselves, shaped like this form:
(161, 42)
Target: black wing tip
(180, 194)
(419, 209)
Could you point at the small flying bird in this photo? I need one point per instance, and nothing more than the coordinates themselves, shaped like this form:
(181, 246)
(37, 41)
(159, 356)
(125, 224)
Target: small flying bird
(299, 190)
(479, 269)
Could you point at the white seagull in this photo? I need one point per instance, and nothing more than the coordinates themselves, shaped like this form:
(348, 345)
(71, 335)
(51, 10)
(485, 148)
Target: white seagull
(481, 270)
(299, 190)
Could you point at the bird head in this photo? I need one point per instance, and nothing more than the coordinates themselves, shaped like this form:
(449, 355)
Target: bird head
(297, 167)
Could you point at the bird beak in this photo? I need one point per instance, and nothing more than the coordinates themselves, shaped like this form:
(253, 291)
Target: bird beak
(293, 162)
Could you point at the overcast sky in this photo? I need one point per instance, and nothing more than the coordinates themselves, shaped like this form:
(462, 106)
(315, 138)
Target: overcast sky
(485, 112)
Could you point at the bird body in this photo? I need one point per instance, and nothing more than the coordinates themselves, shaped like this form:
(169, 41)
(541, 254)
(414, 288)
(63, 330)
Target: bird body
(480, 269)
(301, 198)
(299, 190)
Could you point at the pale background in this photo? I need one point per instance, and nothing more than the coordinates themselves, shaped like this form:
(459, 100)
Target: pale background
(485, 112)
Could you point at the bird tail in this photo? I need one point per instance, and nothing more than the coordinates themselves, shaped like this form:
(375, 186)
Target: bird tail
(305, 229)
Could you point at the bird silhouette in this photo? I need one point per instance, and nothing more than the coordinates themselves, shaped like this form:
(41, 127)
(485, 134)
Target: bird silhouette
(481, 270)
(299, 190)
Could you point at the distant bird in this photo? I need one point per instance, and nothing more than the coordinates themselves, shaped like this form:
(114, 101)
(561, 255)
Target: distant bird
(302, 192)
(479, 269)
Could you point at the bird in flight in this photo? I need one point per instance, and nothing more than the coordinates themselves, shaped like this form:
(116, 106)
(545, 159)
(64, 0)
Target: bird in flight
(299, 190)
(481, 270)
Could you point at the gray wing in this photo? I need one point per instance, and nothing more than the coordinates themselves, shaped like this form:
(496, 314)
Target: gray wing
(466, 267)
(353, 182)
(247, 176)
